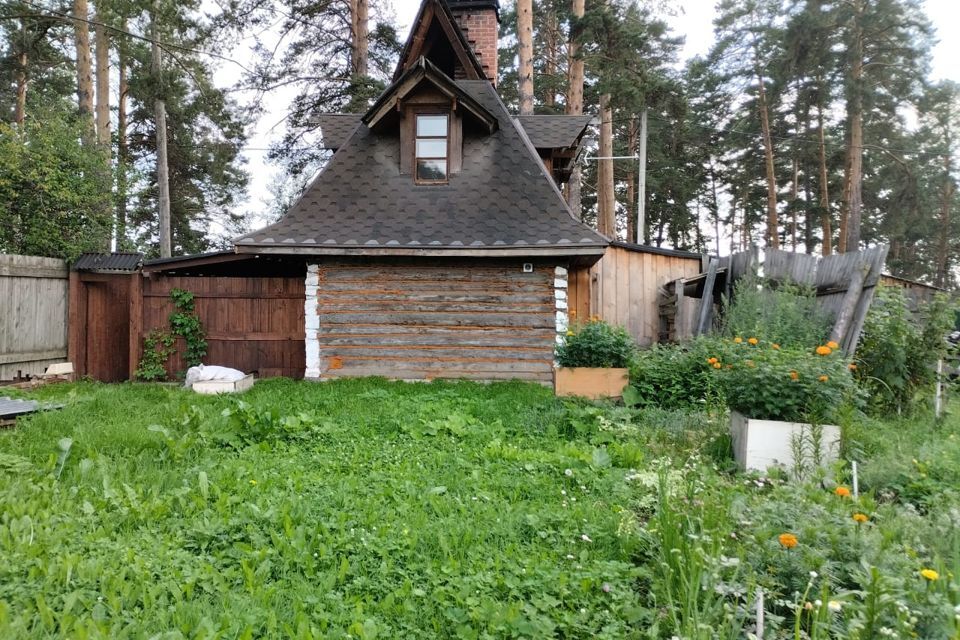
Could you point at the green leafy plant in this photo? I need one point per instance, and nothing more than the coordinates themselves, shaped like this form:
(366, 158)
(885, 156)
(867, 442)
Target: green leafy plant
(783, 312)
(596, 344)
(158, 345)
(157, 349)
(897, 355)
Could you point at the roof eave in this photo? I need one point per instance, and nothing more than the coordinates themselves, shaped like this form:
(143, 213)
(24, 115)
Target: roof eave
(465, 252)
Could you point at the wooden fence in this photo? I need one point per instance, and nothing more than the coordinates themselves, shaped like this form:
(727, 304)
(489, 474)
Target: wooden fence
(33, 314)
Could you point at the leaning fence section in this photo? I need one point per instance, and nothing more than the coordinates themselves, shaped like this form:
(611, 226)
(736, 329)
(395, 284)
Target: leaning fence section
(33, 314)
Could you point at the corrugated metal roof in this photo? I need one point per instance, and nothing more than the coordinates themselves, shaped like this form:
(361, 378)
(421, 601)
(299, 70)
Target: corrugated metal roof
(122, 261)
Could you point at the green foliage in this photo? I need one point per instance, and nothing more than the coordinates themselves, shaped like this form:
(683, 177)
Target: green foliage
(157, 349)
(50, 200)
(784, 313)
(596, 344)
(675, 376)
(792, 384)
(159, 345)
(185, 323)
(898, 351)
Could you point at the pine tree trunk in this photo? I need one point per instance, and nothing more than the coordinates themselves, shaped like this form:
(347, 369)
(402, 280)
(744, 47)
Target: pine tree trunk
(794, 202)
(844, 208)
(360, 37)
(122, 148)
(102, 52)
(81, 31)
(575, 102)
(825, 217)
(551, 42)
(525, 55)
(606, 203)
(855, 150)
(20, 107)
(773, 225)
(946, 199)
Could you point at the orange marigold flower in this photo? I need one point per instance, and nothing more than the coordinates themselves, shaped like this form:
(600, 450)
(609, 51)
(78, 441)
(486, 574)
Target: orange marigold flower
(752, 341)
(824, 350)
(774, 346)
(794, 375)
(712, 361)
(852, 367)
(823, 378)
(787, 540)
(833, 345)
(842, 491)
(738, 339)
(860, 518)
(717, 365)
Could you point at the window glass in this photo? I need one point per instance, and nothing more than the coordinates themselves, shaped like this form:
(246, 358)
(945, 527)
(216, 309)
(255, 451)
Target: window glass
(431, 170)
(434, 125)
(431, 148)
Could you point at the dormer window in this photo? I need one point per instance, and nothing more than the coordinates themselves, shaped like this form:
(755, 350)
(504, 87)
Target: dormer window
(432, 147)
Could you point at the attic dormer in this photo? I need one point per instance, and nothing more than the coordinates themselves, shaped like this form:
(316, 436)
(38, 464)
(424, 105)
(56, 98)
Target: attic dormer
(431, 112)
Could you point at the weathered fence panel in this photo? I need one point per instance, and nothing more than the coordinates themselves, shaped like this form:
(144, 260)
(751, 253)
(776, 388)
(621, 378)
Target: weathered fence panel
(33, 314)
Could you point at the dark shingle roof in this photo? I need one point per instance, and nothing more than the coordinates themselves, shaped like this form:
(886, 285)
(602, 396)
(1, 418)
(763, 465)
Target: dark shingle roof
(335, 128)
(108, 262)
(502, 198)
(554, 132)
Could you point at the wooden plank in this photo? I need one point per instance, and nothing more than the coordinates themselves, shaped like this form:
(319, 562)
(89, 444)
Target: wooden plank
(706, 301)
(135, 328)
(77, 343)
(32, 356)
(32, 267)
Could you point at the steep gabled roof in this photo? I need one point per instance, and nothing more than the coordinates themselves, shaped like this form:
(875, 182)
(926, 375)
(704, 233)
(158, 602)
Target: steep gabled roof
(433, 15)
(335, 128)
(554, 131)
(502, 202)
(411, 80)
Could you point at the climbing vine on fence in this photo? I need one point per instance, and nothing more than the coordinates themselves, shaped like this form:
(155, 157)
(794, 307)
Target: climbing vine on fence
(158, 344)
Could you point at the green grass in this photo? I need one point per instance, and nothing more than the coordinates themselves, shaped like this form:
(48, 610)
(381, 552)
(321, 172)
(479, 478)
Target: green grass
(365, 508)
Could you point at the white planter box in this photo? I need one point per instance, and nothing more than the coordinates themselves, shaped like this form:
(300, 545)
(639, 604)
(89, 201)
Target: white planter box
(761, 444)
(210, 387)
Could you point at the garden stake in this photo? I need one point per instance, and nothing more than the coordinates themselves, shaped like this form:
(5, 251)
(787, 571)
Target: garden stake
(856, 483)
(760, 613)
(938, 397)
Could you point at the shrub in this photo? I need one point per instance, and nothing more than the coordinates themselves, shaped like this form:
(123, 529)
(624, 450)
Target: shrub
(766, 381)
(898, 351)
(675, 376)
(785, 313)
(596, 344)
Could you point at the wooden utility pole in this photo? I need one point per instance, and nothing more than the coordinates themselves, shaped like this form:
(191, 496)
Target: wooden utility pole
(20, 108)
(606, 202)
(120, 230)
(773, 224)
(575, 74)
(642, 181)
(855, 150)
(525, 55)
(102, 53)
(160, 113)
(825, 218)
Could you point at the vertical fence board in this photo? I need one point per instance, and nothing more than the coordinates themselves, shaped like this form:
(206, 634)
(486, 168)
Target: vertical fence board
(33, 314)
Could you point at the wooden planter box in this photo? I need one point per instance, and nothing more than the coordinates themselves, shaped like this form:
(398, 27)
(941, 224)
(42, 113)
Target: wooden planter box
(761, 444)
(590, 382)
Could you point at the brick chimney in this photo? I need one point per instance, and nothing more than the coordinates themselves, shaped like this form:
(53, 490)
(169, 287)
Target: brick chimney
(480, 22)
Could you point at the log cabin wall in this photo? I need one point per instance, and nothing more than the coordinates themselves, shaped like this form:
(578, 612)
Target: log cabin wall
(622, 288)
(417, 319)
(253, 323)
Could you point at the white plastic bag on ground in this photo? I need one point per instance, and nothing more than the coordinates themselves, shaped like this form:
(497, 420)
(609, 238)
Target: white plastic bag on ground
(202, 373)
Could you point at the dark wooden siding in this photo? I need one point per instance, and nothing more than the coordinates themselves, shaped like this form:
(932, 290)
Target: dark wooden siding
(99, 325)
(254, 324)
(412, 320)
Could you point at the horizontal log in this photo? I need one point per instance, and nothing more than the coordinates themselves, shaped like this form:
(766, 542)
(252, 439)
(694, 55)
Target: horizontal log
(396, 276)
(249, 295)
(374, 330)
(451, 319)
(445, 374)
(391, 308)
(466, 364)
(443, 353)
(374, 288)
(483, 297)
(34, 356)
(439, 341)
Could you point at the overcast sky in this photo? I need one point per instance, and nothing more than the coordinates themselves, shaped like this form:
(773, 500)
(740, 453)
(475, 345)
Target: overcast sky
(692, 19)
